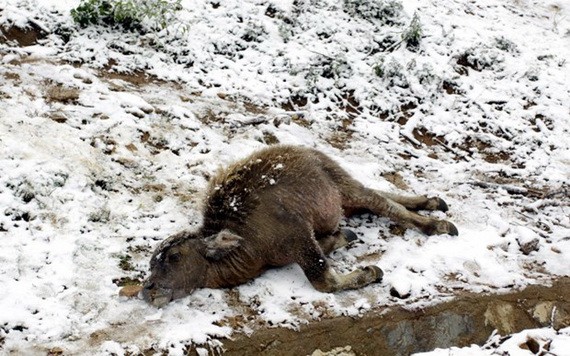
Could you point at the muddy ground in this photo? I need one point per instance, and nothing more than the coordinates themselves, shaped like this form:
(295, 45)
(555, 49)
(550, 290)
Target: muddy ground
(466, 319)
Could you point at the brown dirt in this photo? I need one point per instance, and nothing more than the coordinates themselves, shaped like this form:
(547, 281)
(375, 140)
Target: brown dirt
(61, 94)
(295, 103)
(467, 319)
(396, 179)
(427, 138)
(342, 136)
(137, 78)
(23, 36)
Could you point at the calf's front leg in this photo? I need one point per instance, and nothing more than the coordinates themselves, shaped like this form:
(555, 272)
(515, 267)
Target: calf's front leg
(324, 278)
(336, 240)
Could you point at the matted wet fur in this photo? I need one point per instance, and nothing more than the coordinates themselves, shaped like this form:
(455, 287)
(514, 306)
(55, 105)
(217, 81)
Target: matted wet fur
(281, 205)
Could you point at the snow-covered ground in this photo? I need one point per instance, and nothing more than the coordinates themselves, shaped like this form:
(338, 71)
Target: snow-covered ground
(544, 341)
(96, 167)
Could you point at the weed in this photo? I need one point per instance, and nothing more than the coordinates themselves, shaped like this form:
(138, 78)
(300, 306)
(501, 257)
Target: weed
(506, 45)
(426, 75)
(286, 32)
(379, 69)
(325, 67)
(101, 216)
(127, 281)
(413, 34)
(42, 184)
(254, 32)
(125, 263)
(393, 72)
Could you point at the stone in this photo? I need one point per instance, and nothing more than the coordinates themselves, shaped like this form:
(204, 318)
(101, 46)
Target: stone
(529, 246)
(542, 313)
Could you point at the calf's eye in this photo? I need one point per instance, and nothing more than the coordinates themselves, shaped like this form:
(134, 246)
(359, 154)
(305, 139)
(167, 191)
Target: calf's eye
(175, 257)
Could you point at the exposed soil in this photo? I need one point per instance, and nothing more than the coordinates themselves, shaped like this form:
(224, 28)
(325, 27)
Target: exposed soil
(23, 36)
(467, 319)
(473, 145)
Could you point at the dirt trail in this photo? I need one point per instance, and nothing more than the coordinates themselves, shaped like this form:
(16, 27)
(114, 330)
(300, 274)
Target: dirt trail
(467, 319)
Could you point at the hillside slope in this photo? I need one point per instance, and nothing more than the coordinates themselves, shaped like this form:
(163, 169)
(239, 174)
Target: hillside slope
(108, 136)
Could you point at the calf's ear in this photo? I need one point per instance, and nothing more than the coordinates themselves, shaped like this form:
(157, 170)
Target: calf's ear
(220, 244)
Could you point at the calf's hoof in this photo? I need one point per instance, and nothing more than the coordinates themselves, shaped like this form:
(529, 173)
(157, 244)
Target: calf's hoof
(434, 204)
(441, 227)
(453, 230)
(442, 205)
(376, 272)
(349, 235)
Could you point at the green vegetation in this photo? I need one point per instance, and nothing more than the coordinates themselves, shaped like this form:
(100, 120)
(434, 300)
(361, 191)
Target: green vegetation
(132, 15)
(388, 12)
(506, 45)
(392, 72)
(125, 263)
(413, 34)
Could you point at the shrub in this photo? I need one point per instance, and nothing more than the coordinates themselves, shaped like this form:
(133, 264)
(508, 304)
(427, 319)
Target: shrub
(413, 34)
(388, 12)
(392, 72)
(137, 15)
(480, 57)
(506, 45)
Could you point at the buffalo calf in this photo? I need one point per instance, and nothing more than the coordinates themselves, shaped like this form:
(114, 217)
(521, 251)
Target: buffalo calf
(281, 205)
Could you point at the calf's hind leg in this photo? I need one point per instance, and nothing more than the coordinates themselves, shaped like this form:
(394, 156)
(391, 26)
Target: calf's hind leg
(358, 197)
(355, 196)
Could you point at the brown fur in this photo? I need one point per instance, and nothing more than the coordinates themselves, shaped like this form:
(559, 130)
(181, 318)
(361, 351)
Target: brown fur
(280, 205)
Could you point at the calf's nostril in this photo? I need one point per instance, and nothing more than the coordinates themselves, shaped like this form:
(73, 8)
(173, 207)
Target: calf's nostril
(149, 286)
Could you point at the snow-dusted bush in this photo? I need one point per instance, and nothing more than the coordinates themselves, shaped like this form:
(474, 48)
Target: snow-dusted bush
(41, 183)
(412, 35)
(388, 12)
(254, 32)
(504, 44)
(391, 71)
(482, 57)
(137, 15)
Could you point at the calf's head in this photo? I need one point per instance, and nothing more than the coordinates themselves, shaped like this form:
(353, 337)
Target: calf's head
(180, 264)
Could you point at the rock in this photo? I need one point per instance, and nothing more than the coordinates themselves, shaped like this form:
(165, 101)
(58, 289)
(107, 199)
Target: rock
(399, 293)
(542, 313)
(502, 316)
(527, 239)
(529, 246)
(532, 345)
(561, 316)
(339, 351)
(55, 351)
(131, 291)
(401, 287)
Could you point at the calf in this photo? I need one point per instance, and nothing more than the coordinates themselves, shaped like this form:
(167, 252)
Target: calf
(280, 205)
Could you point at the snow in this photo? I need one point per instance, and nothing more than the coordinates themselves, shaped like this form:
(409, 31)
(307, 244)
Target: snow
(547, 341)
(96, 169)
